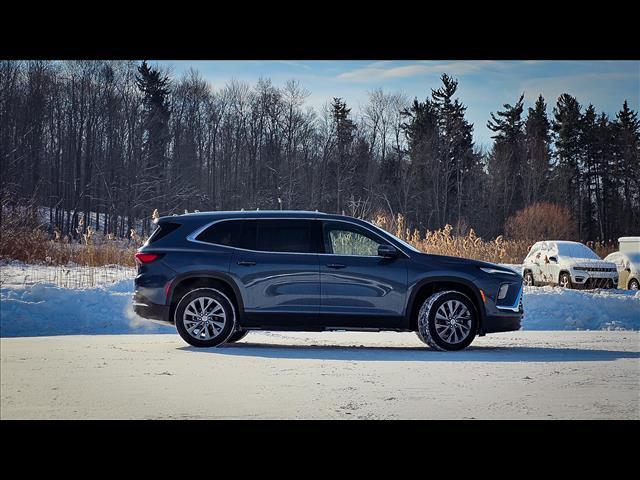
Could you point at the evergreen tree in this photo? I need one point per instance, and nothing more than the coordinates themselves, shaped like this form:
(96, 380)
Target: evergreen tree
(155, 89)
(343, 166)
(457, 154)
(627, 141)
(589, 166)
(604, 185)
(535, 173)
(425, 169)
(567, 176)
(507, 159)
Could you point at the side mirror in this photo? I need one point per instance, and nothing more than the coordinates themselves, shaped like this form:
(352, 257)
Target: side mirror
(553, 259)
(387, 251)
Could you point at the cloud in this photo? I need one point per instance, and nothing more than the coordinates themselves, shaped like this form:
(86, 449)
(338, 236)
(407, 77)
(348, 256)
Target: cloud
(386, 70)
(295, 64)
(600, 88)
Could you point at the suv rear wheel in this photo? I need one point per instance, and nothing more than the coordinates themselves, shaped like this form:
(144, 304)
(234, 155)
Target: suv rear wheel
(447, 321)
(205, 317)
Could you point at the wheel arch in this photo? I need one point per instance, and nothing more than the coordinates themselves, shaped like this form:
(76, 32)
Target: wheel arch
(563, 270)
(526, 270)
(429, 286)
(192, 280)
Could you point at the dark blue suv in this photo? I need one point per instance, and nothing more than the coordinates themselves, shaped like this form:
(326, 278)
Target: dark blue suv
(217, 275)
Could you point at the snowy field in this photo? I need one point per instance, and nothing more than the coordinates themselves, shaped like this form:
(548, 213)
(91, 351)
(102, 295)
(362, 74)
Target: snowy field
(82, 353)
(338, 375)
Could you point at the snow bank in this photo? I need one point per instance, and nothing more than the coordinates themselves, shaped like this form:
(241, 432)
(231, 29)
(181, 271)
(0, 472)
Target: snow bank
(555, 308)
(44, 309)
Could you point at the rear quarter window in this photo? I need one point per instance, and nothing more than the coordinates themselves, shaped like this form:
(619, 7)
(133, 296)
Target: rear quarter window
(222, 233)
(162, 230)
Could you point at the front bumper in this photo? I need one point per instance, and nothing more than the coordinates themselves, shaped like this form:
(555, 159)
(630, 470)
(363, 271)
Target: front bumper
(587, 280)
(502, 323)
(504, 315)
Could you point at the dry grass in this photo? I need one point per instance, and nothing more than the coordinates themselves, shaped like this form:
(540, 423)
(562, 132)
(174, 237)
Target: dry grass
(443, 242)
(24, 238)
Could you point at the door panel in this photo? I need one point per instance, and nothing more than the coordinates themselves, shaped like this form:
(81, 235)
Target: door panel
(364, 286)
(359, 288)
(538, 267)
(283, 287)
(279, 283)
(552, 270)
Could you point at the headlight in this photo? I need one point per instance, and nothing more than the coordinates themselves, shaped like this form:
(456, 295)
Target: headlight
(495, 270)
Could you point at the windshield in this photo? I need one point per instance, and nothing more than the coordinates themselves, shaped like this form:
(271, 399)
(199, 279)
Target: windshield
(634, 257)
(577, 250)
(409, 246)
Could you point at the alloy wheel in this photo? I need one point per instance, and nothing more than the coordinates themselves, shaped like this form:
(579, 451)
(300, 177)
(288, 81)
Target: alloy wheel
(204, 318)
(453, 321)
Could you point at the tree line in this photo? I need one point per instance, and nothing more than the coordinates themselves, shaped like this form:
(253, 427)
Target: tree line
(123, 138)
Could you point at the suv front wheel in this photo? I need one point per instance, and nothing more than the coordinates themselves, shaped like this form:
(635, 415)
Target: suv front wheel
(205, 317)
(237, 336)
(565, 280)
(447, 321)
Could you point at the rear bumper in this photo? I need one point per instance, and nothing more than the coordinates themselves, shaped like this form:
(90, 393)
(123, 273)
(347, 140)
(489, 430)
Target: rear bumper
(151, 311)
(155, 313)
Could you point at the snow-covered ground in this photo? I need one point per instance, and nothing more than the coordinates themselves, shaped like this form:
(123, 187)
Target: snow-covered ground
(338, 375)
(66, 361)
(34, 309)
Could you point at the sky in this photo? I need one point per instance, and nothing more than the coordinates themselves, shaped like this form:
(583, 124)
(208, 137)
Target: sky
(484, 86)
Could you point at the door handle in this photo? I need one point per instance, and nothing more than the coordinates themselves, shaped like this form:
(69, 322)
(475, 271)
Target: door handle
(246, 263)
(336, 265)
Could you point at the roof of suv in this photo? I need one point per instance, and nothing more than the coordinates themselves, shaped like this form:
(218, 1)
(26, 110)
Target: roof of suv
(215, 215)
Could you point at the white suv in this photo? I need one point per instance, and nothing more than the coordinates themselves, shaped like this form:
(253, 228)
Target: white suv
(568, 264)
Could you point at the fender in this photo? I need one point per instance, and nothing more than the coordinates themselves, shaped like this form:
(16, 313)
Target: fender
(441, 278)
(212, 274)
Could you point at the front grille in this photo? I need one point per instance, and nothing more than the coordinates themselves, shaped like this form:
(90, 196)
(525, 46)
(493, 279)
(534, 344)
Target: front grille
(599, 283)
(594, 269)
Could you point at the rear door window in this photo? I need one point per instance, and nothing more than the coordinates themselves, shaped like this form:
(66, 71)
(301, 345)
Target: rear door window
(291, 235)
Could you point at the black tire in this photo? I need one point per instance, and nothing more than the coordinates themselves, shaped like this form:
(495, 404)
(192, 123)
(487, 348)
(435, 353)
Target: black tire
(216, 336)
(565, 280)
(428, 330)
(528, 279)
(633, 284)
(237, 336)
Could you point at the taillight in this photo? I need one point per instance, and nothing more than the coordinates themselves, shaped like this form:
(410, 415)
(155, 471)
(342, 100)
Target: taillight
(143, 258)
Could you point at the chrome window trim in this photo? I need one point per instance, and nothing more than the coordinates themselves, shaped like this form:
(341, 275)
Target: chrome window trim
(192, 236)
